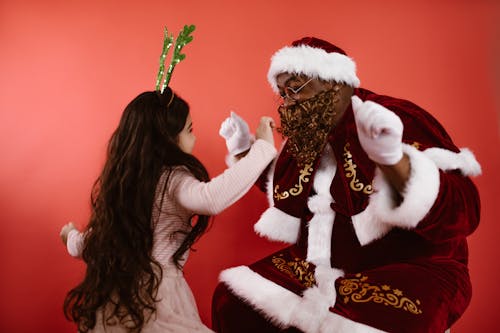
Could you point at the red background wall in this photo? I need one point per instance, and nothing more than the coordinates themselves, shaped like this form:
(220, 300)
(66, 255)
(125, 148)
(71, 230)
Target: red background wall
(67, 69)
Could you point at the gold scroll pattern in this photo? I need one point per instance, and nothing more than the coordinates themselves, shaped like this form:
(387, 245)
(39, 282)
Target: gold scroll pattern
(297, 188)
(297, 269)
(358, 290)
(350, 172)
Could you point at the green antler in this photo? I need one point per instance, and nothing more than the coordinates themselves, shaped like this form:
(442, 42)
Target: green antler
(183, 38)
(167, 43)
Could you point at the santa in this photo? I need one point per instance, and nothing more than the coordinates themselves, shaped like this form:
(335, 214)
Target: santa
(374, 200)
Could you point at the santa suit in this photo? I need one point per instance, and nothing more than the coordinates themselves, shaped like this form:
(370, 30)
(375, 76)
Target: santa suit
(360, 260)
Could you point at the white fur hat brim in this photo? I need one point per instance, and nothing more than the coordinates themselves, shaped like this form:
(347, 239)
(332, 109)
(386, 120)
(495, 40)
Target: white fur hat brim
(313, 62)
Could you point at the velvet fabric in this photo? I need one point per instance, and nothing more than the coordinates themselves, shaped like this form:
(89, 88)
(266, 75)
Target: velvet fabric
(410, 279)
(231, 314)
(318, 44)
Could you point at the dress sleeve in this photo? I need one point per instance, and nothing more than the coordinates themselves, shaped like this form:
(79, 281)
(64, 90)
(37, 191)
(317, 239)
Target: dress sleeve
(74, 243)
(211, 198)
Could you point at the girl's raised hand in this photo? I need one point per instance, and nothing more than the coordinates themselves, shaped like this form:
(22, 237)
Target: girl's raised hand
(65, 231)
(236, 133)
(265, 130)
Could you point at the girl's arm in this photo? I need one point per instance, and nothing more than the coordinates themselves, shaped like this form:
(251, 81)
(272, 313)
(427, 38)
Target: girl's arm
(213, 197)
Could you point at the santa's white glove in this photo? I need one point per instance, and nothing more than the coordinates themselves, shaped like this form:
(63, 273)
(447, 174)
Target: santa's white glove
(380, 131)
(236, 133)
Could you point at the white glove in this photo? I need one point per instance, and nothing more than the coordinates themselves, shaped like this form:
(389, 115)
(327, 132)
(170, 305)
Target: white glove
(236, 133)
(380, 131)
(73, 239)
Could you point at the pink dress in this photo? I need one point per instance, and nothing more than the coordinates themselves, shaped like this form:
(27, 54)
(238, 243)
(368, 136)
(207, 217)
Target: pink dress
(184, 196)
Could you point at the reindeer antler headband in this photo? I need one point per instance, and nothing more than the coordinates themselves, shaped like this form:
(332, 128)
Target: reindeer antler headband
(182, 39)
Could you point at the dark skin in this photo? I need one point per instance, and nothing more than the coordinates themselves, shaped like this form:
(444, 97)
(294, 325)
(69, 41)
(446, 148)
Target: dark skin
(294, 88)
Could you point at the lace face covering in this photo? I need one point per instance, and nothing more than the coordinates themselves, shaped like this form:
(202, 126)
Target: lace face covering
(307, 124)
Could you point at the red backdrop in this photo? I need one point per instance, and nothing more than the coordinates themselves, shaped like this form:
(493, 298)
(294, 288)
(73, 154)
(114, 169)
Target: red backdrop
(67, 69)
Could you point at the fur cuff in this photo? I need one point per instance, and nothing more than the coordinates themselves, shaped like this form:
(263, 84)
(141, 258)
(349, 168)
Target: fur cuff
(276, 225)
(381, 214)
(465, 161)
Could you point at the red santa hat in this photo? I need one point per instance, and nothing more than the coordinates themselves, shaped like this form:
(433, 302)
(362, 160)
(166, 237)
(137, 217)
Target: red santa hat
(316, 58)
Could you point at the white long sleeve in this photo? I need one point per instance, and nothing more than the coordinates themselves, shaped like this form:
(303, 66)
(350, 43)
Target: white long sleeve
(186, 196)
(210, 198)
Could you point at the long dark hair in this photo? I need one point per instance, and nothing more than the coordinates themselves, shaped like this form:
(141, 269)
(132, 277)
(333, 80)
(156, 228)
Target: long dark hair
(121, 272)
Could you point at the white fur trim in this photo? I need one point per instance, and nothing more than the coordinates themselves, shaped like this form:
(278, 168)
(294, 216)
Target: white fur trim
(313, 62)
(310, 313)
(276, 225)
(321, 225)
(325, 277)
(275, 302)
(420, 192)
(368, 226)
(320, 204)
(326, 172)
(465, 161)
(270, 180)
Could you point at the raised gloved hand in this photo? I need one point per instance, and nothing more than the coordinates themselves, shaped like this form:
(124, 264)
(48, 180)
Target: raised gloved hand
(236, 133)
(65, 230)
(380, 131)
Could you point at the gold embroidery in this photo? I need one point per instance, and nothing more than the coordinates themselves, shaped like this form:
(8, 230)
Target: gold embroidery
(416, 145)
(297, 188)
(297, 269)
(350, 169)
(359, 291)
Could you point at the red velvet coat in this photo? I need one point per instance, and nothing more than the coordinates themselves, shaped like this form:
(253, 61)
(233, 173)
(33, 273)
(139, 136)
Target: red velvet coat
(357, 255)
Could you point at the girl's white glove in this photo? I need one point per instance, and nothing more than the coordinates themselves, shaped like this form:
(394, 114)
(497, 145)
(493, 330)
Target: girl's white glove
(380, 131)
(236, 133)
(73, 239)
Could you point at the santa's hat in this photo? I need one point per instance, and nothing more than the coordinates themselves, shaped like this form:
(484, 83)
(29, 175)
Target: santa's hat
(316, 58)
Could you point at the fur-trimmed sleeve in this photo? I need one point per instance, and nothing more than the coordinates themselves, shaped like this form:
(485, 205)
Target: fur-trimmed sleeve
(440, 201)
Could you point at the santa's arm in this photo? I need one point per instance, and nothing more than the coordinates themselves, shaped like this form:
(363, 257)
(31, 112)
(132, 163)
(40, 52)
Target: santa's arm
(380, 132)
(435, 194)
(397, 175)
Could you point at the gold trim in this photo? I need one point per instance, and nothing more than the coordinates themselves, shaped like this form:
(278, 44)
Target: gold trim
(296, 269)
(350, 172)
(297, 188)
(358, 290)
(416, 145)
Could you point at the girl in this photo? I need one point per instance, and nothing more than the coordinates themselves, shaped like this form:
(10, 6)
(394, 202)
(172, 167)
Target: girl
(151, 202)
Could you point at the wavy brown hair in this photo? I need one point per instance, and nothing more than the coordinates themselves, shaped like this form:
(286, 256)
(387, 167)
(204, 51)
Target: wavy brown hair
(121, 273)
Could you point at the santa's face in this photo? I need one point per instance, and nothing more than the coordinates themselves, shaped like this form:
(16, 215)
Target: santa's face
(295, 88)
(309, 111)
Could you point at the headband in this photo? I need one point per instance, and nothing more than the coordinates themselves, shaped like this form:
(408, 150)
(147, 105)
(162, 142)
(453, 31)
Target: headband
(162, 79)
